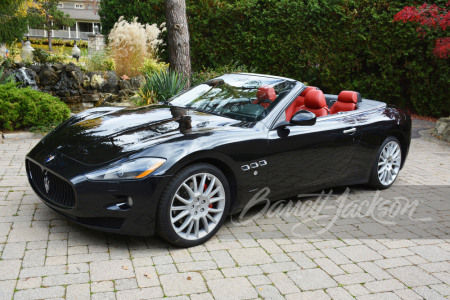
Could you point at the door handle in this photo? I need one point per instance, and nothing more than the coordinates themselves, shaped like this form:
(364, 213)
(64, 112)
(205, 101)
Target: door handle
(348, 131)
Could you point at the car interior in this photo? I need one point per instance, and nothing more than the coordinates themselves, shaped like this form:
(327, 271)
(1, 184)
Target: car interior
(314, 100)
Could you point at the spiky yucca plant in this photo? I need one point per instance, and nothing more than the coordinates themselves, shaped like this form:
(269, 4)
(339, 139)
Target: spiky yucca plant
(163, 85)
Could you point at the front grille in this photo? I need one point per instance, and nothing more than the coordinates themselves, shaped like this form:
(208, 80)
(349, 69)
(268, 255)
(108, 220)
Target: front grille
(50, 187)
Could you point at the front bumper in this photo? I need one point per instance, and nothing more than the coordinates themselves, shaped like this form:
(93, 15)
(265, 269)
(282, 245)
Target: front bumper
(102, 205)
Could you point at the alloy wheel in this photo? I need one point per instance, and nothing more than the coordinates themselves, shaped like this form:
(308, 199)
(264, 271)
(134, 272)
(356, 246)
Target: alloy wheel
(197, 206)
(389, 163)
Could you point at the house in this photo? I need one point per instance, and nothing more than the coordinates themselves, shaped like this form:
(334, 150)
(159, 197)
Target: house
(85, 16)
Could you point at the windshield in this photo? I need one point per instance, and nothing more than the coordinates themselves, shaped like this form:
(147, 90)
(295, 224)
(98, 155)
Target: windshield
(237, 96)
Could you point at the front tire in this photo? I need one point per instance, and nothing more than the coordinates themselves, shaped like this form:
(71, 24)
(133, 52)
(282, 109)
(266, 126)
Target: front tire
(194, 205)
(387, 165)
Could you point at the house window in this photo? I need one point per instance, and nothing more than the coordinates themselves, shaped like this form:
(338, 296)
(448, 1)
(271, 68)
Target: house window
(60, 5)
(79, 6)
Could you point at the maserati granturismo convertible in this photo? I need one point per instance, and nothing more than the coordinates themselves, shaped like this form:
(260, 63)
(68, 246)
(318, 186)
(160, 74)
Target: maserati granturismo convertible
(179, 168)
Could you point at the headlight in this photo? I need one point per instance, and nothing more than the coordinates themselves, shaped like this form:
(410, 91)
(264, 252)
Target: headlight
(134, 169)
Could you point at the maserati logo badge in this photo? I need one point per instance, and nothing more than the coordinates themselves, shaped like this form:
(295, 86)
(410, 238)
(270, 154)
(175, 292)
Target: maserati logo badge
(46, 183)
(50, 158)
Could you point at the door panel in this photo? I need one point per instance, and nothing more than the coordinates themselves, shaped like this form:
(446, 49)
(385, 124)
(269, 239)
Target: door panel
(309, 157)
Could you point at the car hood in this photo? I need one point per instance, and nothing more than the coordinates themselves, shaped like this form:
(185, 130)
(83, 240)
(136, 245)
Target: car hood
(101, 135)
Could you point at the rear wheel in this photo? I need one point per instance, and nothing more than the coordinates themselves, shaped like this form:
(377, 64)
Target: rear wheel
(387, 165)
(194, 206)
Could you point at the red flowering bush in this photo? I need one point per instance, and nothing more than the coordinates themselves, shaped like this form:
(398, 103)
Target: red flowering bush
(429, 18)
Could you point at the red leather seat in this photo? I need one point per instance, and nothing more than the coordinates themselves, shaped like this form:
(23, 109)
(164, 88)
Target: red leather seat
(346, 102)
(315, 102)
(299, 101)
(267, 93)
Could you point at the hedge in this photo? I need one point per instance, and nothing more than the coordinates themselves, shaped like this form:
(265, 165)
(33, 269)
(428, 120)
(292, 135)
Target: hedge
(24, 108)
(333, 44)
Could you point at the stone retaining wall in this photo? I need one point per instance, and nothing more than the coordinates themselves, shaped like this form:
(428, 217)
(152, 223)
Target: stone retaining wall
(79, 90)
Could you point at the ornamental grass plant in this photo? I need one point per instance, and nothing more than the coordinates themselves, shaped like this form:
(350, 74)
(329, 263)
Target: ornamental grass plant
(132, 42)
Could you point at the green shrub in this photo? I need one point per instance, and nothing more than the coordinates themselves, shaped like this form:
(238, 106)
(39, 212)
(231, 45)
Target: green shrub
(4, 79)
(24, 108)
(151, 65)
(161, 86)
(100, 61)
(40, 56)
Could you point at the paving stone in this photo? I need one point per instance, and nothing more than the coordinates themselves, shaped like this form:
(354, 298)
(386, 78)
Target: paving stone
(329, 266)
(14, 250)
(125, 284)
(41, 293)
(166, 269)
(314, 295)
(250, 256)
(339, 293)
(312, 279)
(10, 269)
(146, 276)
(145, 293)
(102, 286)
(65, 279)
(283, 283)
(30, 234)
(28, 283)
(413, 276)
(204, 296)
(374, 270)
(392, 262)
(182, 284)
(353, 278)
(223, 259)
(259, 280)
(428, 293)
(380, 296)
(78, 291)
(432, 253)
(360, 253)
(242, 271)
(232, 288)
(112, 269)
(196, 266)
(269, 292)
(384, 285)
(279, 267)
(7, 289)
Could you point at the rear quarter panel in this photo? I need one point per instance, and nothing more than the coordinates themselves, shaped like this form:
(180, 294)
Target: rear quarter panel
(376, 125)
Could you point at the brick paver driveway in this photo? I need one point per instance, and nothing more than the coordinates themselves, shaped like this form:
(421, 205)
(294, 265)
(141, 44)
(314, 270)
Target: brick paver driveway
(367, 245)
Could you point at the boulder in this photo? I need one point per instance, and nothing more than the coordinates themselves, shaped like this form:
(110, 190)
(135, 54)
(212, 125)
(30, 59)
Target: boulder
(442, 129)
(47, 77)
(97, 82)
(111, 83)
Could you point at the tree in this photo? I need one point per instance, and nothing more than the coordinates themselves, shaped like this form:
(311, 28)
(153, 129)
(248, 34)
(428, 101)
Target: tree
(178, 37)
(50, 18)
(429, 18)
(147, 12)
(14, 18)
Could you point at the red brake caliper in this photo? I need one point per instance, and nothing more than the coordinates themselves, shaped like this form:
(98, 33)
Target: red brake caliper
(206, 186)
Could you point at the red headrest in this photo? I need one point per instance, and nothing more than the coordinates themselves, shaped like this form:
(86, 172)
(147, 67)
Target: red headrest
(309, 88)
(266, 92)
(348, 97)
(315, 99)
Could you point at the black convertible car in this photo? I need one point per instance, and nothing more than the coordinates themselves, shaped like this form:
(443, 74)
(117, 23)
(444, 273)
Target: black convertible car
(180, 168)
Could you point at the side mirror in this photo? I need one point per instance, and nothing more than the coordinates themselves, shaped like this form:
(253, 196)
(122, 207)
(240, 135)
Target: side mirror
(303, 118)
